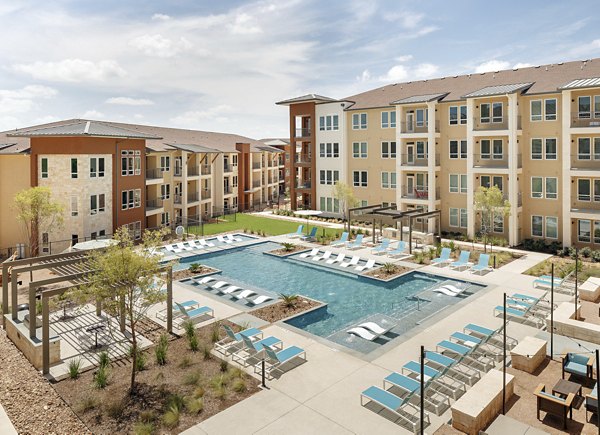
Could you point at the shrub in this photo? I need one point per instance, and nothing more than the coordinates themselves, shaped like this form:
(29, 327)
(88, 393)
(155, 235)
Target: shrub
(223, 366)
(389, 268)
(586, 252)
(596, 256)
(195, 267)
(289, 300)
(87, 404)
(239, 385)
(419, 257)
(185, 362)
(171, 417)
(189, 329)
(199, 392)
(103, 359)
(193, 378)
(101, 377)
(206, 352)
(193, 405)
(141, 428)
(288, 247)
(147, 416)
(161, 350)
(175, 401)
(116, 408)
(140, 362)
(194, 345)
(74, 368)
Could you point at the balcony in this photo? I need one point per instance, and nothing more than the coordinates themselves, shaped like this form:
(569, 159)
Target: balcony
(493, 123)
(227, 168)
(302, 132)
(585, 120)
(494, 161)
(153, 204)
(519, 198)
(227, 190)
(414, 160)
(417, 127)
(271, 163)
(193, 171)
(587, 162)
(419, 192)
(256, 165)
(205, 170)
(177, 199)
(256, 184)
(303, 159)
(206, 194)
(193, 197)
(154, 174)
(303, 184)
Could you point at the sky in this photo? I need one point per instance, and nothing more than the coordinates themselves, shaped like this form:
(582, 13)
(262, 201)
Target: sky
(222, 65)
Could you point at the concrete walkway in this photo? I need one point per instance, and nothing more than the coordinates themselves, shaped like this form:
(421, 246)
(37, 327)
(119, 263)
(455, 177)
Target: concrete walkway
(6, 427)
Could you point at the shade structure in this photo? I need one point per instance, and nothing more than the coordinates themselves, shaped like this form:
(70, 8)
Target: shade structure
(91, 244)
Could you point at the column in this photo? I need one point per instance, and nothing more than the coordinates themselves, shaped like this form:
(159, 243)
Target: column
(565, 153)
(513, 184)
(470, 174)
(431, 181)
(399, 151)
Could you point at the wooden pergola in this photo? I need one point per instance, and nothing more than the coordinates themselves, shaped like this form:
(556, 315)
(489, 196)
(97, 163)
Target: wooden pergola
(72, 271)
(378, 215)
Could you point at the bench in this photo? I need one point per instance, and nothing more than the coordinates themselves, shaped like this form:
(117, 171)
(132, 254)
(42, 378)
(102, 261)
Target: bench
(590, 290)
(482, 403)
(552, 404)
(528, 354)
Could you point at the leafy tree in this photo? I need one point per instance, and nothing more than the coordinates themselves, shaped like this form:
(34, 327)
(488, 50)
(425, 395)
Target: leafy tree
(346, 199)
(38, 213)
(490, 202)
(127, 280)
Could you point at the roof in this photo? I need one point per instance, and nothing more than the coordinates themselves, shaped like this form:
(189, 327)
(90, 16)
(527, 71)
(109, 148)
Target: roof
(14, 148)
(489, 91)
(193, 148)
(307, 98)
(582, 83)
(276, 141)
(83, 128)
(545, 78)
(420, 98)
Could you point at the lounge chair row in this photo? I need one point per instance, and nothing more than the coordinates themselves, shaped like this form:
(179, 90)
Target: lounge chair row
(383, 248)
(191, 245)
(463, 261)
(525, 309)
(245, 346)
(225, 288)
(189, 310)
(456, 363)
(315, 255)
(299, 234)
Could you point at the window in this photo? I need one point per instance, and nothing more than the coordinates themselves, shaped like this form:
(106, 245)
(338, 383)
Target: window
(329, 204)
(463, 115)
(359, 150)
(74, 206)
(45, 239)
(421, 115)
(359, 121)
(454, 222)
(329, 122)
(584, 150)
(329, 149)
(129, 199)
(234, 160)
(536, 149)
(421, 149)
(234, 182)
(584, 228)
(550, 109)
(458, 149)
(584, 189)
(496, 112)
(485, 147)
(93, 204)
(388, 150)
(551, 187)
(596, 106)
(458, 217)
(537, 187)
(137, 198)
(454, 183)
(463, 218)
(388, 119)
(596, 231)
(484, 113)
(164, 219)
(537, 226)
(551, 227)
(359, 178)
(463, 183)
(497, 149)
(73, 168)
(165, 163)
(453, 115)
(597, 148)
(536, 110)
(584, 105)
(328, 177)
(597, 190)
(93, 167)
(44, 169)
(551, 150)
(165, 191)
(388, 180)
(487, 181)
(131, 162)
(498, 224)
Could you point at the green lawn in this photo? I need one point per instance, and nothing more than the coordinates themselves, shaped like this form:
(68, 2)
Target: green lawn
(271, 227)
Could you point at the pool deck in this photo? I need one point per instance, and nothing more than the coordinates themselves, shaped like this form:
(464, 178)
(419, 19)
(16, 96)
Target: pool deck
(323, 395)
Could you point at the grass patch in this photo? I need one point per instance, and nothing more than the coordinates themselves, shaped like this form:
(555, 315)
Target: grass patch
(563, 266)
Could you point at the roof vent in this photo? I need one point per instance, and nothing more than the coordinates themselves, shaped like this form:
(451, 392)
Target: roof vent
(537, 66)
(86, 130)
(457, 76)
(560, 63)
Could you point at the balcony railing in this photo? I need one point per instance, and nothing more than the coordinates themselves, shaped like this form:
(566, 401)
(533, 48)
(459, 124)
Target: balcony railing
(192, 197)
(153, 204)
(227, 168)
(227, 190)
(418, 192)
(418, 127)
(271, 163)
(303, 184)
(256, 165)
(256, 183)
(417, 159)
(519, 198)
(205, 194)
(588, 162)
(586, 121)
(491, 160)
(302, 132)
(205, 170)
(493, 123)
(154, 174)
(177, 199)
(192, 171)
(303, 158)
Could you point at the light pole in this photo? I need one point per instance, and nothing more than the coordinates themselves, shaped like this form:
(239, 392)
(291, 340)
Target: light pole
(576, 279)
(422, 390)
(504, 361)
(552, 315)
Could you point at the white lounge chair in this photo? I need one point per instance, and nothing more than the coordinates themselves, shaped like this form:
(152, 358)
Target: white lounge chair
(205, 280)
(172, 248)
(245, 294)
(206, 243)
(353, 262)
(448, 291)
(337, 259)
(260, 299)
(224, 240)
(369, 265)
(181, 246)
(230, 289)
(363, 333)
(325, 256)
(232, 238)
(194, 244)
(219, 284)
(312, 253)
(377, 329)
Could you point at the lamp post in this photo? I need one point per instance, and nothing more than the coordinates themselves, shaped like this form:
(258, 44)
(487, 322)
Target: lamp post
(504, 360)
(422, 390)
(552, 314)
(576, 280)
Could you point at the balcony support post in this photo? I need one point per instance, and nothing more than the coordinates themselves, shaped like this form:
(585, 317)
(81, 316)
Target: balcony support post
(470, 172)
(431, 154)
(565, 147)
(513, 163)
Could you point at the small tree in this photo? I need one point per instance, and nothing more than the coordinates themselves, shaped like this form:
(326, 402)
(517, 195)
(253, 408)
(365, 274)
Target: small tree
(346, 199)
(490, 202)
(38, 213)
(126, 281)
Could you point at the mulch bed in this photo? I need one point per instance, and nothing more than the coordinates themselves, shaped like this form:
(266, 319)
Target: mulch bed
(382, 274)
(187, 273)
(284, 252)
(279, 311)
(155, 385)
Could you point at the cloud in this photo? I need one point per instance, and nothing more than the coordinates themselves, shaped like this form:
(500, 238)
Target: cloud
(404, 58)
(425, 70)
(492, 65)
(364, 77)
(159, 46)
(161, 17)
(401, 73)
(522, 65)
(128, 101)
(23, 100)
(72, 70)
(92, 114)
(397, 73)
(193, 118)
(243, 24)
(408, 20)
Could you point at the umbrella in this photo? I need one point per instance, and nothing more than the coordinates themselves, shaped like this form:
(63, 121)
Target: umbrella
(308, 213)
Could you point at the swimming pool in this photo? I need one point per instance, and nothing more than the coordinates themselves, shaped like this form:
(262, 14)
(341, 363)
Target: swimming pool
(349, 298)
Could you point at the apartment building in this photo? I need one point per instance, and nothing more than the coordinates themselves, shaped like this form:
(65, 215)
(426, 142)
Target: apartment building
(108, 175)
(533, 132)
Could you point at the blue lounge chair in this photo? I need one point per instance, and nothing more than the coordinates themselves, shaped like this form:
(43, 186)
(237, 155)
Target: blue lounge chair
(392, 403)
(591, 401)
(465, 339)
(450, 364)
(484, 264)
(195, 314)
(342, 241)
(432, 376)
(399, 251)
(385, 243)
(579, 365)
(312, 235)
(276, 359)
(411, 386)
(252, 348)
(298, 232)
(162, 314)
(546, 281)
(444, 257)
(480, 330)
(463, 261)
(236, 338)
(517, 314)
(465, 353)
(357, 244)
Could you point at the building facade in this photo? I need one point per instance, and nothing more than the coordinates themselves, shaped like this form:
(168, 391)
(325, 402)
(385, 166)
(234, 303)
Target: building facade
(532, 132)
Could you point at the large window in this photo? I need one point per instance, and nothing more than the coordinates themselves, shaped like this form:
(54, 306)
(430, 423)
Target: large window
(96, 167)
(497, 112)
(584, 189)
(597, 189)
(388, 150)
(551, 227)
(359, 178)
(596, 231)
(98, 203)
(537, 187)
(131, 162)
(537, 150)
(421, 117)
(486, 148)
(328, 177)
(329, 149)
(359, 121)
(44, 167)
(164, 219)
(388, 180)
(597, 148)
(165, 163)
(458, 217)
(551, 187)
(359, 150)
(329, 122)
(458, 183)
(388, 119)
(584, 230)
(458, 115)
(421, 149)
(584, 107)
(73, 168)
(550, 109)
(165, 191)
(497, 149)
(537, 226)
(74, 206)
(536, 110)
(488, 181)
(584, 148)
(329, 204)
(484, 113)
(458, 149)
(550, 148)
(498, 224)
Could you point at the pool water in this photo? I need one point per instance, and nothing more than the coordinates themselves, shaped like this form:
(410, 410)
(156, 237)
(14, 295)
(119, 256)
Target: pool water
(349, 297)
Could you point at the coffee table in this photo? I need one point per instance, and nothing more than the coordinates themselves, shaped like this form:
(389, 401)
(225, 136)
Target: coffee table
(564, 388)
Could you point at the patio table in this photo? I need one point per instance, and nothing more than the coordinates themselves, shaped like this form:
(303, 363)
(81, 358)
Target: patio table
(564, 388)
(95, 329)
